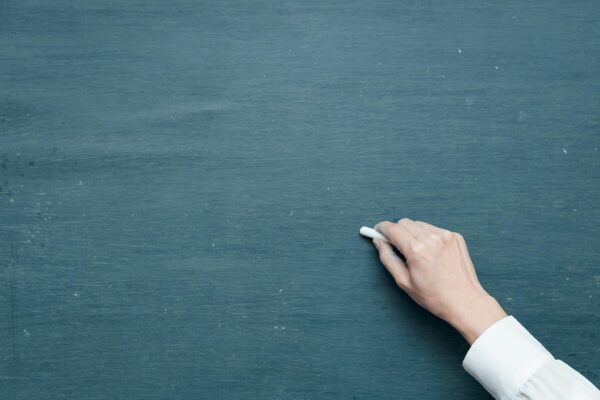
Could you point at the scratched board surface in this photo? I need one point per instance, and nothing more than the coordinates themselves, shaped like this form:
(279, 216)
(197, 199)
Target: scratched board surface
(182, 185)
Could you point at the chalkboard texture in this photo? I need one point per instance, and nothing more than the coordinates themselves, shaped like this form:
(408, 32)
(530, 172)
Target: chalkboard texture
(182, 183)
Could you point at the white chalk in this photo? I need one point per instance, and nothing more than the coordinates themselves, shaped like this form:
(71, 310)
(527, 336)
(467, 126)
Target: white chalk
(372, 233)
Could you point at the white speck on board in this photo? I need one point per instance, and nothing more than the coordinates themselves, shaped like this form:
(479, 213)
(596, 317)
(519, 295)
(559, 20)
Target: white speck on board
(280, 290)
(564, 150)
(213, 245)
(459, 51)
(75, 294)
(495, 67)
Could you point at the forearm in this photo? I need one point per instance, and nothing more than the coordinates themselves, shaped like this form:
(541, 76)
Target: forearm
(439, 275)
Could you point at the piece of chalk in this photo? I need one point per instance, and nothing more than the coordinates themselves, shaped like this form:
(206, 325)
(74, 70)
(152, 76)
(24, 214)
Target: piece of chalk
(372, 233)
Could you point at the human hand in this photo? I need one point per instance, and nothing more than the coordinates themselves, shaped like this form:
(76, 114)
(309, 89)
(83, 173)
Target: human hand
(438, 274)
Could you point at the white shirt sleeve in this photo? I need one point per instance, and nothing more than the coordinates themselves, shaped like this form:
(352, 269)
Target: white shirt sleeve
(512, 365)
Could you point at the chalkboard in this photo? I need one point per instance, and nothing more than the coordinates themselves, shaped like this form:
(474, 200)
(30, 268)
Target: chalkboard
(182, 184)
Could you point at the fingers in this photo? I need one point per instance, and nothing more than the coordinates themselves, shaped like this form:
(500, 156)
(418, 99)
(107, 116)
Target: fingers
(397, 234)
(413, 237)
(415, 229)
(456, 239)
(394, 264)
(429, 227)
(434, 229)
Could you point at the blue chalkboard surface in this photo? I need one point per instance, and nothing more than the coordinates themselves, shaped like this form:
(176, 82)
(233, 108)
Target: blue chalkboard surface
(182, 183)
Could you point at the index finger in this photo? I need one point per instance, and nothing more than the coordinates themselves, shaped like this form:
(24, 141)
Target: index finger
(399, 236)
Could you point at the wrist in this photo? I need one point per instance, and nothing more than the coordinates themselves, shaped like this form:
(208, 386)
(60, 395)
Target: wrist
(480, 312)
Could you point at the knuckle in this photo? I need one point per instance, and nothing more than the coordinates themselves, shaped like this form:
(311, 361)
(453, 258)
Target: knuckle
(447, 236)
(458, 237)
(435, 238)
(417, 248)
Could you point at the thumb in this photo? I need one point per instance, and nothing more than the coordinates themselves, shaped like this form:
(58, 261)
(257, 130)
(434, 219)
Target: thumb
(394, 264)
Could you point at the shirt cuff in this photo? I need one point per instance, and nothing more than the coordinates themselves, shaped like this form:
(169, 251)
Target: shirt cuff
(504, 357)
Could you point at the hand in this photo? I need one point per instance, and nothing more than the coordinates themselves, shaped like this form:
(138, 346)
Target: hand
(438, 274)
